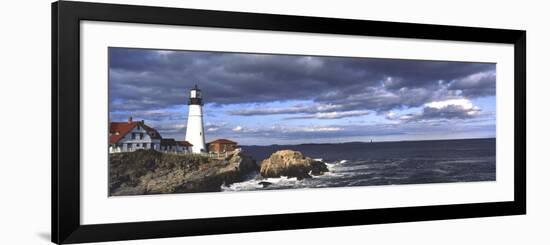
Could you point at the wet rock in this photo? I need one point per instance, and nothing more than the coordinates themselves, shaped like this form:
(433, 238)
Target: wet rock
(291, 164)
(151, 172)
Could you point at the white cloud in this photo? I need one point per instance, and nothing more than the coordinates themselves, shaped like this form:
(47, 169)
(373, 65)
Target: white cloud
(237, 129)
(474, 80)
(438, 110)
(391, 115)
(309, 109)
(406, 117)
(332, 115)
(171, 126)
(462, 103)
(322, 129)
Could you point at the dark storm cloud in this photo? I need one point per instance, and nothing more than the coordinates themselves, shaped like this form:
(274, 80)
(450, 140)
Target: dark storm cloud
(148, 80)
(452, 109)
(155, 116)
(331, 115)
(446, 113)
(476, 85)
(286, 110)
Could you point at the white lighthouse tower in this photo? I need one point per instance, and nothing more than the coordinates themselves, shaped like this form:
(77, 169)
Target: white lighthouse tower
(195, 129)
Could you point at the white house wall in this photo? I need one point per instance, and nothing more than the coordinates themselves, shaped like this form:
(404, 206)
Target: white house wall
(127, 139)
(155, 144)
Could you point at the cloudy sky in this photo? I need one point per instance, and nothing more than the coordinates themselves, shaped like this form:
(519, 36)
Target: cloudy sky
(268, 99)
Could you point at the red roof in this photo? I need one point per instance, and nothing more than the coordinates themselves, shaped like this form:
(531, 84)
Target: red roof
(223, 141)
(117, 130)
(184, 143)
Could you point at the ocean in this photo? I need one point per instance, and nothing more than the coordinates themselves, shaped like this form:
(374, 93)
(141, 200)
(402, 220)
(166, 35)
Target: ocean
(384, 163)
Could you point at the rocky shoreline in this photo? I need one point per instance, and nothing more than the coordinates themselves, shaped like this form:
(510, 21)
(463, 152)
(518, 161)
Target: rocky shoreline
(150, 172)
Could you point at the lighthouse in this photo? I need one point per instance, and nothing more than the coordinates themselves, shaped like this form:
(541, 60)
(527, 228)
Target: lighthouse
(195, 128)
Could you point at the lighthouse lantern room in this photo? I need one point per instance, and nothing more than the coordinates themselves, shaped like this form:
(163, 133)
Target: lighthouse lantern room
(195, 128)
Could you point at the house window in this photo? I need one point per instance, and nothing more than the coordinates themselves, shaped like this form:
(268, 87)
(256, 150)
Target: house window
(138, 144)
(133, 136)
(129, 146)
(140, 136)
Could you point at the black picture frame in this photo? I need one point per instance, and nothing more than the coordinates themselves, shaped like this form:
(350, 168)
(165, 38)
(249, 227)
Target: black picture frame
(66, 18)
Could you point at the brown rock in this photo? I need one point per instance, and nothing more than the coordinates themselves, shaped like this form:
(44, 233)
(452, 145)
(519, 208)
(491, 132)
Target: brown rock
(150, 172)
(291, 164)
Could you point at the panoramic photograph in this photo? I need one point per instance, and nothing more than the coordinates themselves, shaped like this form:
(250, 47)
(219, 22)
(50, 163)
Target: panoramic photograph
(203, 121)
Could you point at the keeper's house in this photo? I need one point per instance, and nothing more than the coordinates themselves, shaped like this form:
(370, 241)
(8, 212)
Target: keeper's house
(133, 135)
(171, 145)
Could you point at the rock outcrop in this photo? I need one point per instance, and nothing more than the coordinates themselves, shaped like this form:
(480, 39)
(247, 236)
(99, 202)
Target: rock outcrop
(291, 164)
(151, 172)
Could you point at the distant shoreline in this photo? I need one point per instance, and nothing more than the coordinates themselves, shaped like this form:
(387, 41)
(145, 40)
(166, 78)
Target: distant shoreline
(373, 142)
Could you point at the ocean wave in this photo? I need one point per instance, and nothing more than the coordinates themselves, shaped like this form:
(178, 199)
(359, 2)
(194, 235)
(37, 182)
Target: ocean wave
(284, 182)
(326, 175)
(341, 173)
(242, 186)
(462, 161)
(353, 168)
(265, 183)
(331, 166)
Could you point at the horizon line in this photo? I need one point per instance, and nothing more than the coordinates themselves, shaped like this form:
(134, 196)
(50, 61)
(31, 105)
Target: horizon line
(368, 142)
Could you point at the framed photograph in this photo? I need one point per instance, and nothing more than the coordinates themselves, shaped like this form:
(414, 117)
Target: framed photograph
(174, 122)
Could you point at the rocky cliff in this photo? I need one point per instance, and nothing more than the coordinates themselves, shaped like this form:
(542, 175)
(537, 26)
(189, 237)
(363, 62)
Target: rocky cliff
(151, 172)
(291, 164)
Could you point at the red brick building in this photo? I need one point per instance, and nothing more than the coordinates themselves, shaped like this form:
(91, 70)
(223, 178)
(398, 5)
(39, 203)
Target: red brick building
(221, 146)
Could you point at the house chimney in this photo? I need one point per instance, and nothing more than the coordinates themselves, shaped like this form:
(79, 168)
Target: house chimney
(129, 119)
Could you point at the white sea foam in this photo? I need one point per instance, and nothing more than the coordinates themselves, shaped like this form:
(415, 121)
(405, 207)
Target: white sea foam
(355, 168)
(254, 184)
(462, 161)
(242, 186)
(330, 174)
(335, 171)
